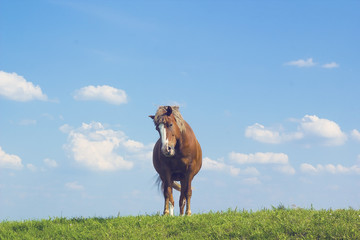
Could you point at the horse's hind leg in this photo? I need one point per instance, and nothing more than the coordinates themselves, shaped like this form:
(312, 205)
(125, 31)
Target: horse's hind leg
(188, 195)
(185, 197)
(182, 202)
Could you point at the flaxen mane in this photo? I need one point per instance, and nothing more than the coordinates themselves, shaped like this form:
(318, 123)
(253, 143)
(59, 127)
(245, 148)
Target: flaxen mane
(161, 113)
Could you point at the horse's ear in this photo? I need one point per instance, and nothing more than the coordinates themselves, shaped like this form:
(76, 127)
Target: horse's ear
(152, 116)
(168, 110)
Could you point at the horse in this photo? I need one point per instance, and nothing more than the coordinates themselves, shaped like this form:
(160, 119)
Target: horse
(177, 156)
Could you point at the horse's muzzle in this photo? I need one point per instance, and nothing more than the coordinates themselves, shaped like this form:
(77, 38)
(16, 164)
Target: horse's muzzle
(168, 151)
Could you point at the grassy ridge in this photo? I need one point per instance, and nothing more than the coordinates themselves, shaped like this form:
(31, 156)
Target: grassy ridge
(264, 224)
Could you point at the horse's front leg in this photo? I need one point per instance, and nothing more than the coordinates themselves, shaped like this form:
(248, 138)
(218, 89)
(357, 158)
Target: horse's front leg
(169, 200)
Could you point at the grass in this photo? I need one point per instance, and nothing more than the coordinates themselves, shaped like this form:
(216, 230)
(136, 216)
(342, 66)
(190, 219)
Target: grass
(277, 223)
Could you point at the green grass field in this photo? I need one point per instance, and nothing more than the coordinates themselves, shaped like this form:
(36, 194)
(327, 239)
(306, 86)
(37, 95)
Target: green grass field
(278, 223)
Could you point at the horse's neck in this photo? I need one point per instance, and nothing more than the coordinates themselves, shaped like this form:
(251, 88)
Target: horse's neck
(186, 136)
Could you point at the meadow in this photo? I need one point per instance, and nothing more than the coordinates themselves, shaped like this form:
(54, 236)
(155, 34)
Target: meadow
(275, 223)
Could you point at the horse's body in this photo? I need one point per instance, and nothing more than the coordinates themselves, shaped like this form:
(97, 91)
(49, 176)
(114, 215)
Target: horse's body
(177, 156)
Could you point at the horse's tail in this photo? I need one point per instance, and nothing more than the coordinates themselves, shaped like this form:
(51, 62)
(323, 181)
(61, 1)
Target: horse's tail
(175, 185)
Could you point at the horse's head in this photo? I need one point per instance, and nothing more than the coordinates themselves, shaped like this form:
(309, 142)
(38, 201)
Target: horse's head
(166, 125)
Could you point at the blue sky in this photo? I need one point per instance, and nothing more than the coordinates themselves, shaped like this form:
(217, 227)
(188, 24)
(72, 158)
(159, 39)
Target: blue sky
(271, 89)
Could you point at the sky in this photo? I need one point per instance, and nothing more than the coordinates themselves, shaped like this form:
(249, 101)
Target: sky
(270, 88)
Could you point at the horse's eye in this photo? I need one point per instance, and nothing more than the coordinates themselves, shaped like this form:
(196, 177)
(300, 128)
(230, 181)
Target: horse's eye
(170, 125)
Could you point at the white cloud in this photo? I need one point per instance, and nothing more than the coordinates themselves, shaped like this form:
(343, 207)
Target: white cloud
(324, 128)
(302, 63)
(31, 167)
(261, 158)
(310, 63)
(74, 186)
(250, 171)
(259, 133)
(50, 163)
(209, 164)
(133, 146)
(15, 87)
(219, 165)
(305, 167)
(65, 128)
(329, 168)
(279, 159)
(330, 65)
(286, 169)
(98, 148)
(334, 187)
(9, 160)
(234, 171)
(309, 126)
(101, 93)
(355, 134)
(252, 181)
(27, 122)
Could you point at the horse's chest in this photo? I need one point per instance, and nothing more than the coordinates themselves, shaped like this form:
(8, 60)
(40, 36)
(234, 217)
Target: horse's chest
(177, 165)
(178, 170)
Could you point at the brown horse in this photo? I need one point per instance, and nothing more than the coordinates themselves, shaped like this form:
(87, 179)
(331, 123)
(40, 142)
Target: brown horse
(177, 156)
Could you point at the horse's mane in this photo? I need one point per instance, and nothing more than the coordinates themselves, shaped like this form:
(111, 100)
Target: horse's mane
(161, 113)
